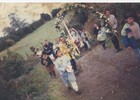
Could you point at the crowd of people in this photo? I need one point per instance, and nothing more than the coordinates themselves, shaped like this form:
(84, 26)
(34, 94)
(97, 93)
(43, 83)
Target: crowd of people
(130, 33)
(63, 53)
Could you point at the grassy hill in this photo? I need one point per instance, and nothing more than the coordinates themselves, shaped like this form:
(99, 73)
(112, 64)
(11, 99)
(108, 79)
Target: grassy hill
(49, 89)
(46, 31)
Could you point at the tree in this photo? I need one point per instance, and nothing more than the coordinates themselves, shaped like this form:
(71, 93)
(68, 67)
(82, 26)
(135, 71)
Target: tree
(16, 24)
(55, 11)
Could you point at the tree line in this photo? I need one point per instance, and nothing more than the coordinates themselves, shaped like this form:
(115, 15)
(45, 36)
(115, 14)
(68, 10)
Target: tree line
(19, 28)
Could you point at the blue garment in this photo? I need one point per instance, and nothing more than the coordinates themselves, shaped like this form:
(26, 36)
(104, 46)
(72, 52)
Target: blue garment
(129, 42)
(48, 49)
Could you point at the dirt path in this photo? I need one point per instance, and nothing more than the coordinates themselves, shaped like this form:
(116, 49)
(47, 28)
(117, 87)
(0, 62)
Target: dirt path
(108, 76)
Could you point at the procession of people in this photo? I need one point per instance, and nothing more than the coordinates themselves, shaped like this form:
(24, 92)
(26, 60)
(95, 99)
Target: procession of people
(62, 55)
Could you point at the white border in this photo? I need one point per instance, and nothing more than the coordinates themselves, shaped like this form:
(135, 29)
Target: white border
(69, 1)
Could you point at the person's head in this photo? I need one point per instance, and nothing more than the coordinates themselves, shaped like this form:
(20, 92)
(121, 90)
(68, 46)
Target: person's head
(44, 55)
(37, 49)
(107, 12)
(61, 39)
(56, 40)
(46, 41)
(58, 53)
(129, 18)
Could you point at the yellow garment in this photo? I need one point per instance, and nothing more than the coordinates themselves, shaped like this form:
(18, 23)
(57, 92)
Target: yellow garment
(65, 50)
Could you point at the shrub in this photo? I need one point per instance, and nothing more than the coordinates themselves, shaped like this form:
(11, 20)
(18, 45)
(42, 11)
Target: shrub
(12, 69)
(55, 11)
(10, 42)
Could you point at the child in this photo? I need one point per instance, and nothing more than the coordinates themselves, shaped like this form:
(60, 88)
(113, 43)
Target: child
(101, 37)
(63, 65)
(46, 61)
(131, 34)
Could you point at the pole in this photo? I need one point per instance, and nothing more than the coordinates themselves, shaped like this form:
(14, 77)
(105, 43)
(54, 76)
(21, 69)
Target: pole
(70, 35)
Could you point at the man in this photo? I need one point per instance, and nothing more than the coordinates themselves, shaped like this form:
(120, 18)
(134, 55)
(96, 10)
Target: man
(113, 35)
(67, 49)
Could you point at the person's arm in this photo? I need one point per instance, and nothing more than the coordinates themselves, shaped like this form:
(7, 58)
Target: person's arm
(123, 32)
(113, 22)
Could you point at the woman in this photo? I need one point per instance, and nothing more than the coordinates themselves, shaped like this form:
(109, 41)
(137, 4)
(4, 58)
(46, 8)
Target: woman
(62, 64)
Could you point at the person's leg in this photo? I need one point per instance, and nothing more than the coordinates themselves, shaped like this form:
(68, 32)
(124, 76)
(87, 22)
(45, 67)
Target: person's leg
(52, 70)
(75, 87)
(49, 70)
(88, 45)
(115, 42)
(103, 44)
(125, 41)
(132, 43)
(85, 46)
(73, 63)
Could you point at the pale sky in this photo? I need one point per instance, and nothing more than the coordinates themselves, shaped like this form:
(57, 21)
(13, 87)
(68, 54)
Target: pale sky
(28, 11)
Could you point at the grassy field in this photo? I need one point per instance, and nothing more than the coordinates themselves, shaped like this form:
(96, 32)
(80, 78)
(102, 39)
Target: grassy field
(46, 31)
(49, 89)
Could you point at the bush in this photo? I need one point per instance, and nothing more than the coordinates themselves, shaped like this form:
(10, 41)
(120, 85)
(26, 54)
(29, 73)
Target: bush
(3, 44)
(82, 16)
(10, 42)
(55, 11)
(45, 17)
(12, 70)
(13, 37)
(13, 66)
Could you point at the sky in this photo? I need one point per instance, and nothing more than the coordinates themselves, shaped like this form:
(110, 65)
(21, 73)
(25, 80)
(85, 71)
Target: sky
(29, 11)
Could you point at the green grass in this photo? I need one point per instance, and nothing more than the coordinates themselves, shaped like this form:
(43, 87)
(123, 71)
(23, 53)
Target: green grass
(46, 31)
(49, 89)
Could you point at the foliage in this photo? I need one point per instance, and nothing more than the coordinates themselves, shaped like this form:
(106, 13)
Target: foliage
(45, 17)
(12, 67)
(10, 42)
(15, 23)
(55, 11)
(19, 29)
